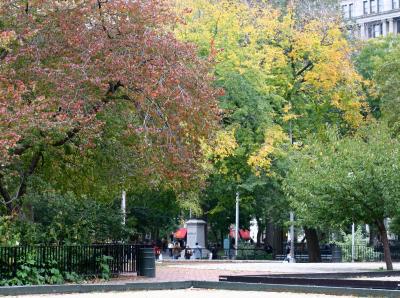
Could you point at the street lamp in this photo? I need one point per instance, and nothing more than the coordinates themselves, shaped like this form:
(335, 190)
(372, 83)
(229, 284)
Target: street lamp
(237, 224)
(292, 255)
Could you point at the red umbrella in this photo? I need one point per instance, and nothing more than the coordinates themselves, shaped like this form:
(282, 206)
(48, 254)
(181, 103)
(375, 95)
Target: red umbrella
(244, 234)
(180, 234)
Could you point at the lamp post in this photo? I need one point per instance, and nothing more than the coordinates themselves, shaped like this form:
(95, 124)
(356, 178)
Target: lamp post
(237, 224)
(352, 243)
(123, 207)
(292, 255)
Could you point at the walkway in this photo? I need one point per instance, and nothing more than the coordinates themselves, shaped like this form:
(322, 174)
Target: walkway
(210, 271)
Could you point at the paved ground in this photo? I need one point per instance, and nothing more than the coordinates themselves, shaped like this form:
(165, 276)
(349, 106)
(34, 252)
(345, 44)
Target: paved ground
(192, 293)
(210, 271)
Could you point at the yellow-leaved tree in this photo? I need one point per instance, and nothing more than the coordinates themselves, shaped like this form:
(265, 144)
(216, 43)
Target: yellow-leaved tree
(305, 63)
(287, 76)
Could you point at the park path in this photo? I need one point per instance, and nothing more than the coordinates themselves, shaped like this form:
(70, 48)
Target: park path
(210, 271)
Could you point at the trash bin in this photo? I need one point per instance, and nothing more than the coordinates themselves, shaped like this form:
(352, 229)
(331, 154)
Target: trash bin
(147, 263)
(336, 254)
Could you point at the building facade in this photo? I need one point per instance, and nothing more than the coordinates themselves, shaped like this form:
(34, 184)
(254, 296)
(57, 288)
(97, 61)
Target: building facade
(373, 18)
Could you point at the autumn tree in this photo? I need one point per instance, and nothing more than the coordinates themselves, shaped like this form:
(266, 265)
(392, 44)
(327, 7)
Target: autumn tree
(298, 65)
(64, 62)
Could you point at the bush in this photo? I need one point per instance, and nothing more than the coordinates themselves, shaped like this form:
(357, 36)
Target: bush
(362, 251)
(248, 251)
(30, 273)
(63, 219)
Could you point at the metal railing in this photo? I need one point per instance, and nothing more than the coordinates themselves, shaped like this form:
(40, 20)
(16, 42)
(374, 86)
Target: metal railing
(344, 253)
(81, 259)
(243, 254)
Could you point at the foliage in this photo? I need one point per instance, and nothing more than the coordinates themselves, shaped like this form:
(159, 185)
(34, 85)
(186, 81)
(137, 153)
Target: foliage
(378, 62)
(105, 272)
(340, 181)
(354, 179)
(9, 235)
(285, 73)
(347, 238)
(63, 219)
(30, 273)
(248, 251)
(55, 83)
(362, 252)
(153, 211)
(302, 62)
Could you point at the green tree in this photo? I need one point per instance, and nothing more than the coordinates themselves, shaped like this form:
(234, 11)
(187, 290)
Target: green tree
(378, 62)
(354, 179)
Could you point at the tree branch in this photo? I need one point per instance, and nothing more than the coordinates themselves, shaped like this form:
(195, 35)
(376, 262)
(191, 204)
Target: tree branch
(32, 167)
(5, 194)
(99, 5)
(309, 65)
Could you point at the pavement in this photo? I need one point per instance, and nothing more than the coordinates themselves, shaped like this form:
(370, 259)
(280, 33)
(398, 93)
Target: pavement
(211, 270)
(192, 293)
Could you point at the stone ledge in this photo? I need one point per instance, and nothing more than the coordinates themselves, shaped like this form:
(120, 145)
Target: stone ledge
(233, 286)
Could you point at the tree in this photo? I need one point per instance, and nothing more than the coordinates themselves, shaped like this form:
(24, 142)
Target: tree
(378, 62)
(64, 62)
(298, 68)
(354, 179)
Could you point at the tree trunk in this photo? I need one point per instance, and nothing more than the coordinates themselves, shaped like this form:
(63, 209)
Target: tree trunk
(385, 242)
(314, 253)
(275, 238)
(259, 232)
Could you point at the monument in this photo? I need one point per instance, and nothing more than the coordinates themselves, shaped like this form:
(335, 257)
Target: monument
(196, 233)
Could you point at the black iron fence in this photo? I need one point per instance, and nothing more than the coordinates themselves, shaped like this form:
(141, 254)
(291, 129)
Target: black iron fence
(344, 253)
(242, 254)
(81, 259)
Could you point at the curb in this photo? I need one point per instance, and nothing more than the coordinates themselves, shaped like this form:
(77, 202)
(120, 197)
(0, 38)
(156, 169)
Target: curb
(233, 286)
(236, 286)
(70, 289)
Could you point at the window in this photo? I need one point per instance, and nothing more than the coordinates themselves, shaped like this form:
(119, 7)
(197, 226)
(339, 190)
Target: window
(365, 6)
(370, 35)
(372, 5)
(395, 4)
(344, 11)
(377, 30)
(380, 5)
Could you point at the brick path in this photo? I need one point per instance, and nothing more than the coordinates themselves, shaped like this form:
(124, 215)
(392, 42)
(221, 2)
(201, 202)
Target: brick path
(177, 271)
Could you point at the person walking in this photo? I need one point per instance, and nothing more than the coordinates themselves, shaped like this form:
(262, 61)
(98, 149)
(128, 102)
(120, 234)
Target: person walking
(170, 247)
(197, 251)
(188, 253)
(176, 251)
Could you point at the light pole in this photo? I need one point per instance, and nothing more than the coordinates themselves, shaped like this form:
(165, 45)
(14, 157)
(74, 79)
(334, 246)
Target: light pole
(292, 255)
(237, 224)
(123, 207)
(352, 243)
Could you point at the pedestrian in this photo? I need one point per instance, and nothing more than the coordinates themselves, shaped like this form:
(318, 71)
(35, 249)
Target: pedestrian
(288, 256)
(188, 253)
(197, 251)
(176, 251)
(170, 247)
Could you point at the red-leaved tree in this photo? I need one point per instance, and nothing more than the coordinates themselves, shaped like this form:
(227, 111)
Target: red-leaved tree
(63, 61)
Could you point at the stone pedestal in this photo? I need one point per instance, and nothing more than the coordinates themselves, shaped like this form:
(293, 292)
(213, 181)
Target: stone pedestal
(196, 232)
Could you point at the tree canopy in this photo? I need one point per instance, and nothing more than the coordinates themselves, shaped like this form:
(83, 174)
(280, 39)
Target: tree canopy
(64, 63)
